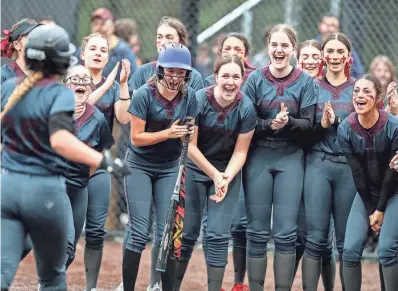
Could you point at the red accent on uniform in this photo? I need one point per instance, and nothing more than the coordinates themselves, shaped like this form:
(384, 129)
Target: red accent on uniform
(6, 46)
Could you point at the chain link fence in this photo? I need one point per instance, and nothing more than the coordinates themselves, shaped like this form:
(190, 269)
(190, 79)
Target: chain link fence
(371, 25)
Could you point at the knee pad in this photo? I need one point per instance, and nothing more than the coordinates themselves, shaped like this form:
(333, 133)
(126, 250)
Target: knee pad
(387, 256)
(217, 252)
(256, 244)
(95, 241)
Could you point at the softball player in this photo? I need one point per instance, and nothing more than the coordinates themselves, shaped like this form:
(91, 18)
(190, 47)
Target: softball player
(170, 30)
(37, 129)
(112, 100)
(13, 46)
(93, 130)
(328, 185)
(309, 59)
(224, 128)
(156, 111)
(236, 44)
(285, 101)
(383, 69)
(369, 139)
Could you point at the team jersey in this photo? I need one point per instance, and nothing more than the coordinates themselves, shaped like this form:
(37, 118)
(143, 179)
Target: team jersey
(107, 102)
(25, 131)
(340, 98)
(11, 70)
(369, 152)
(145, 72)
(296, 91)
(211, 80)
(92, 129)
(219, 128)
(159, 114)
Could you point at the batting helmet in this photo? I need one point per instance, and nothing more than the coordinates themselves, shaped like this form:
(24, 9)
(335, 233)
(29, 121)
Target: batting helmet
(176, 56)
(49, 50)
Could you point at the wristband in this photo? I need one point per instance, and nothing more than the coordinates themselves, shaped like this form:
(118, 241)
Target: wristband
(124, 99)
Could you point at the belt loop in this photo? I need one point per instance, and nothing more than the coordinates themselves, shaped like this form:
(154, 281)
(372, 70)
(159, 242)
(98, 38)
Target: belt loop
(323, 156)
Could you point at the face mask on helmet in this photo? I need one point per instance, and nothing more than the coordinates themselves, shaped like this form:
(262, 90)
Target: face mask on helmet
(173, 79)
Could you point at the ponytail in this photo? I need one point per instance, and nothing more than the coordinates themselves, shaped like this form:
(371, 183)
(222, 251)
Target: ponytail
(28, 83)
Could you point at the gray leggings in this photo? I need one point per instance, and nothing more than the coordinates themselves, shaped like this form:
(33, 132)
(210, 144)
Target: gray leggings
(329, 189)
(148, 182)
(273, 177)
(39, 207)
(357, 229)
(78, 197)
(99, 199)
(216, 230)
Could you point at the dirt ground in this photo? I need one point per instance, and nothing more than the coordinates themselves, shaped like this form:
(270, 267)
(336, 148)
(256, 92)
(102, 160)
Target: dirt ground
(195, 279)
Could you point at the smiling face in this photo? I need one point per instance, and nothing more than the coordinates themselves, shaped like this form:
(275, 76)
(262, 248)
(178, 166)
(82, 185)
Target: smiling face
(234, 46)
(166, 35)
(309, 60)
(280, 50)
(173, 78)
(364, 96)
(96, 53)
(229, 80)
(335, 56)
(80, 81)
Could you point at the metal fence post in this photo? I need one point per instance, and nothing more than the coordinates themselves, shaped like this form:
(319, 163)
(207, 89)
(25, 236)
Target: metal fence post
(190, 16)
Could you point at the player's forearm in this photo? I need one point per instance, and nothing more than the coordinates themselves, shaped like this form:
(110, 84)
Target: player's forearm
(71, 148)
(149, 138)
(97, 94)
(200, 160)
(235, 164)
(121, 106)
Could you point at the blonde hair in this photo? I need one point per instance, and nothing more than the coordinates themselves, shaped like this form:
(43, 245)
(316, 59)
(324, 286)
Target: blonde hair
(287, 29)
(87, 38)
(386, 60)
(28, 83)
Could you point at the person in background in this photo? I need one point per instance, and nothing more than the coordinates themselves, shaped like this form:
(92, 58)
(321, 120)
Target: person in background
(331, 24)
(203, 60)
(383, 69)
(102, 21)
(127, 29)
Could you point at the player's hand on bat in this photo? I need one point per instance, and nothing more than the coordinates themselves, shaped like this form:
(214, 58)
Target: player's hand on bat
(125, 72)
(281, 118)
(191, 130)
(115, 167)
(394, 162)
(176, 130)
(376, 221)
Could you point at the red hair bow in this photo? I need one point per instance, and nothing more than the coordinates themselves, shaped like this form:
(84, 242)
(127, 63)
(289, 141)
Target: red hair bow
(6, 49)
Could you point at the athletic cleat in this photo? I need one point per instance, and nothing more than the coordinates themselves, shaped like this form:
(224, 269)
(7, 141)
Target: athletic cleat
(240, 287)
(155, 287)
(120, 287)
